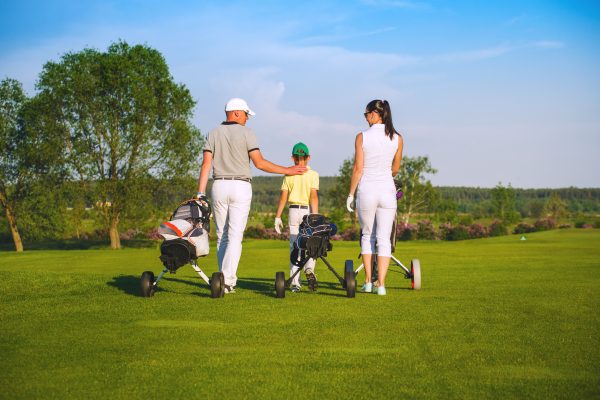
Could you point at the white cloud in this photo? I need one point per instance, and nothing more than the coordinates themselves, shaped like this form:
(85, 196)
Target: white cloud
(548, 44)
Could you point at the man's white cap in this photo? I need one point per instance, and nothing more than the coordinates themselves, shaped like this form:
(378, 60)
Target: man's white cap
(238, 104)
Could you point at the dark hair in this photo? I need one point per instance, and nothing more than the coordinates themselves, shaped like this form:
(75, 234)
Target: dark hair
(382, 107)
(298, 158)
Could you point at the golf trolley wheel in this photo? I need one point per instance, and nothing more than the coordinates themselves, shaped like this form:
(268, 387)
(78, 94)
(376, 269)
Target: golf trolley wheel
(217, 288)
(349, 279)
(415, 272)
(280, 285)
(348, 266)
(147, 284)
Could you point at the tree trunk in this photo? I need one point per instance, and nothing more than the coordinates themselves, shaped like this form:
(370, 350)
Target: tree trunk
(12, 222)
(115, 240)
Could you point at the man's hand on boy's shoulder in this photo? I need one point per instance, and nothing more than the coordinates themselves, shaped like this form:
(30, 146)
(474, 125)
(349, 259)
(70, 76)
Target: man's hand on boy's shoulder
(295, 170)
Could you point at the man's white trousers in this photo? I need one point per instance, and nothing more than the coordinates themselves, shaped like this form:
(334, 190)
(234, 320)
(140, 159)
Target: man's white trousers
(231, 205)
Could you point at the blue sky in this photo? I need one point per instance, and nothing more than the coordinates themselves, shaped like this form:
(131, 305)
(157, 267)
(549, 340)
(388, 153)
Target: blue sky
(505, 91)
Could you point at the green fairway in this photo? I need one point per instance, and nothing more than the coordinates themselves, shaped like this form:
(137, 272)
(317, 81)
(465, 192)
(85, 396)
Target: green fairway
(496, 318)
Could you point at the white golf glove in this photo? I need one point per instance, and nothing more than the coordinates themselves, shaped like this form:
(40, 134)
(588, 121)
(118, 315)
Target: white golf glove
(278, 225)
(349, 201)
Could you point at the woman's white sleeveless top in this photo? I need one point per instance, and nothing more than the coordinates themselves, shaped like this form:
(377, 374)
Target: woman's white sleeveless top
(379, 153)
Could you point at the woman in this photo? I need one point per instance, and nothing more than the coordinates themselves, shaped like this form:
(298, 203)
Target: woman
(378, 153)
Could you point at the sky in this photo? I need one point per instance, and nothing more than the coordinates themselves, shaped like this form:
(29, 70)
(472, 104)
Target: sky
(492, 92)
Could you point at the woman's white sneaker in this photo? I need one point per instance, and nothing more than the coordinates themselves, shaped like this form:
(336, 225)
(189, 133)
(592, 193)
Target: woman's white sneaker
(367, 288)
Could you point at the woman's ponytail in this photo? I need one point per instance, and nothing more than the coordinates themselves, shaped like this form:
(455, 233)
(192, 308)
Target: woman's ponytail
(387, 120)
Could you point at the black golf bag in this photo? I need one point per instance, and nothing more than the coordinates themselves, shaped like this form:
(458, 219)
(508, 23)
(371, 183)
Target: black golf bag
(186, 234)
(313, 239)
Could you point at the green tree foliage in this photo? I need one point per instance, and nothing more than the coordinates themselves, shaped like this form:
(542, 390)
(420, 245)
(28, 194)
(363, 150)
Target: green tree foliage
(29, 169)
(12, 99)
(419, 194)
(556, 207)
(535, 208)
(338, 194)
(503, 203)
(122, 120)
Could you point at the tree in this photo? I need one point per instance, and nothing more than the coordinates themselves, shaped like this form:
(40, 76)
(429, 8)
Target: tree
(12, 99)
(419, 194)
(556, 207)
(536, 208)
(122, 119)
(339, 193)
(503, 203)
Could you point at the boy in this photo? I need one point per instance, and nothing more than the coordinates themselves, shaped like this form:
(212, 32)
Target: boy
(301, 192)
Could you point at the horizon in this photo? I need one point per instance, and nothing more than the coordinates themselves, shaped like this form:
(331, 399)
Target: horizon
(492, 93)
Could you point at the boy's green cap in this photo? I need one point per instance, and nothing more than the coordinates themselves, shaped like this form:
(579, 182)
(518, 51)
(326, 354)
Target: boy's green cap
(300, 149)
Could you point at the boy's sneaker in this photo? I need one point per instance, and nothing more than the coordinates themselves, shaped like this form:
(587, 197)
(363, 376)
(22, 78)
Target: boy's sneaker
(229, 289)
(312, 280)
(367, 288)
(295, 288)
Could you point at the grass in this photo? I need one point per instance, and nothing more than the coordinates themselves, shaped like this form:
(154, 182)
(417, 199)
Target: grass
(496, 318)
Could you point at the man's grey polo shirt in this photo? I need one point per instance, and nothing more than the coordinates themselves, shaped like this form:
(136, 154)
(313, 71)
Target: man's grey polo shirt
(230, 144)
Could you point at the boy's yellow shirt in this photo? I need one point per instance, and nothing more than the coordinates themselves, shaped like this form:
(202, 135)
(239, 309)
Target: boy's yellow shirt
(299, 186)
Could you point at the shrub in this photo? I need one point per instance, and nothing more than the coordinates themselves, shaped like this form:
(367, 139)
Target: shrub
(350, 234)
(544, 224)
(454, 232)
(444, 230)
(458, 232)
(98, 234)
(579, 224)
(564, 226)
(153, 234)
(425, 230)
(406, 232)
(497, 228)
(259, 232)
(597, 224)
(477, 231)
(524, 227)
(131, 233)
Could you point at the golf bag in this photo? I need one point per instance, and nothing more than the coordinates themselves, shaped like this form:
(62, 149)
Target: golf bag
(313, 239)
(186, 234)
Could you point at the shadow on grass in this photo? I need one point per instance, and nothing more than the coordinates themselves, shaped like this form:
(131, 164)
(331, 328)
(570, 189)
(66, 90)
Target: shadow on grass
(266, 287)
(263, 286)
(80, 245)
(130, 285)
(197, 283)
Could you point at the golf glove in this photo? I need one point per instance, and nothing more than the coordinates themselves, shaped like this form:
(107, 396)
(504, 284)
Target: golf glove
(349, 201)
(278, 225)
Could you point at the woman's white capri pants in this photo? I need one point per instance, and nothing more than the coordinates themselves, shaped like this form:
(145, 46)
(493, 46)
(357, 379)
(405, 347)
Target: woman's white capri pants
(376, 206)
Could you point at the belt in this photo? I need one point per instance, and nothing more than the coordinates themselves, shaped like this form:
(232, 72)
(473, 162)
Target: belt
(298, 206)
(233, 178)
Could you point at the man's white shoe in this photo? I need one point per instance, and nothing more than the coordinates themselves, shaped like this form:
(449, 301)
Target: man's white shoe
(229, 289)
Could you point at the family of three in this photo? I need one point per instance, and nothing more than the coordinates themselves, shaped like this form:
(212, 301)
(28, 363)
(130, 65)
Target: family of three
(230, 148)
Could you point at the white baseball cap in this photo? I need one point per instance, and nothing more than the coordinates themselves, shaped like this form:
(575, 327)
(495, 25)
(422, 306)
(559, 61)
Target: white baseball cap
(238, 104)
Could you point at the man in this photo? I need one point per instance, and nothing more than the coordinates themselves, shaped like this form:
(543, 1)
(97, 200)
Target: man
(229, 149)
